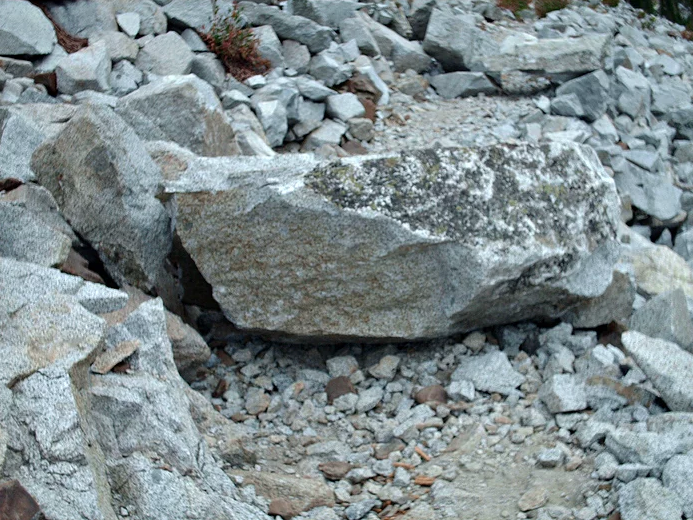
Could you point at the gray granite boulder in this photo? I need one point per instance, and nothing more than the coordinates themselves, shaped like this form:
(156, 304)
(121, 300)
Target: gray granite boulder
(678, 477)
(462, 84)
(667, 365)
(289, 27)
(404, 54)
(165, 54)
(104, 181)
(25, 236)
(491, 372)
(666, 317)
(592, 90)
(647, 498)
(325, 12)
(182, 109)
(87, 69)
(197, 14)
(538, 62)
(85, 444)
(356, 29)
(304, 249)
(24, 30)
(450, 38)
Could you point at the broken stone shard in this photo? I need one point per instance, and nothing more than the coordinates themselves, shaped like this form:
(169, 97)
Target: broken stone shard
(417, 245)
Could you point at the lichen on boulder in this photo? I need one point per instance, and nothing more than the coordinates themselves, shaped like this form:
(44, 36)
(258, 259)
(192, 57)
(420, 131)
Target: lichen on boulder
(421, 244)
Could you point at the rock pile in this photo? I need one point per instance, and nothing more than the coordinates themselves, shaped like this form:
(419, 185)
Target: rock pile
(471, 298)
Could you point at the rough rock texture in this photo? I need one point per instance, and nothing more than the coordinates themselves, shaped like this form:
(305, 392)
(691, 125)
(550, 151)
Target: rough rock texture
(289, 27)
(25, 236)
(24, 30)
(104, 182)
(667, 365)
(666, 316)
(441, 235)
(551, 56)
(88, 69)
(184, 110)
(87, 445)
(166, 54)
(647, 498)
(491, 372)
(678, 477)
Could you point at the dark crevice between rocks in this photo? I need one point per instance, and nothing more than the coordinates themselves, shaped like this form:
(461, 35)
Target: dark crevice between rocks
(86, 251)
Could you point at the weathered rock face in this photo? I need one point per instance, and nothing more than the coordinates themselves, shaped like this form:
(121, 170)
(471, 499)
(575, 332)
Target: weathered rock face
(24, 29)
(104, 182)
(420, 245)
(86, 444)
(184, 110)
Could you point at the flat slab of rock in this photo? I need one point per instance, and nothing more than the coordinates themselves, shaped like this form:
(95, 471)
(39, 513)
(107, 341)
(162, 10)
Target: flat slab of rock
(417, 245)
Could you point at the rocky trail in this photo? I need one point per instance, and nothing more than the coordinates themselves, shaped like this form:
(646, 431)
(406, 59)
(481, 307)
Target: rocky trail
(435, 263)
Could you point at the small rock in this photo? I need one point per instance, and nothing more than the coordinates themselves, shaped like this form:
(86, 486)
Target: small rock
(550, 457)
(563, 393)
(342, 366)
(360, 509)
(337, 387)
(129, 23)
(369, 399)
(256, 401)
(431, 394)
(386, 368)
(335, 470)
(533, 499)
(491, 372)
(458, 390)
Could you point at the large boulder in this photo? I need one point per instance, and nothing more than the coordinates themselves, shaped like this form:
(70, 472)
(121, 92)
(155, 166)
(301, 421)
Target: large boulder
(450, 38)
(417, 245)
(184, 110)
(559, 57)
(105, 183)
(87, 442)
(24, 30)
(404, 54)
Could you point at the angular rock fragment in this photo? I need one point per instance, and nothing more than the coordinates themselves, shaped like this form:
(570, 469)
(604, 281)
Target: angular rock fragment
(563, 393)
(105, 182)
(184, 110)
(289, 27)
(667, 365)
(166, 54)
(25, 236)
(305, 251)
(678, 477)
(647, 498)
(666, 317)
(491, 372)
(405, 54)
(24, 30)
(462, 84)
(88, 69)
